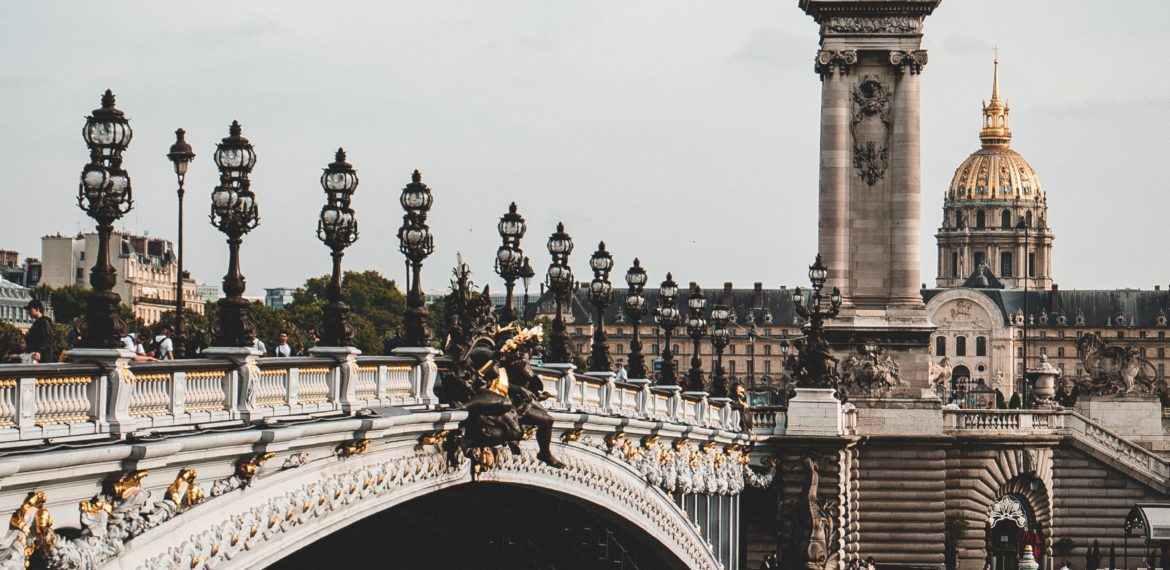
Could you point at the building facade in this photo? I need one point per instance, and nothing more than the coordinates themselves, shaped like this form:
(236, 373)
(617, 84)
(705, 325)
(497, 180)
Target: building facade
(146, 269)
(13, 300)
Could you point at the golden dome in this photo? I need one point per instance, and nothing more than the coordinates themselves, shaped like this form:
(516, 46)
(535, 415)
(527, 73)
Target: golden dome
(995, 172)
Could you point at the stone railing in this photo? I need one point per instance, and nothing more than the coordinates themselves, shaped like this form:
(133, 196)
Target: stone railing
(84, 401)
(600, 394)
(769, 420)
(987, 421)
(71, 401)
(1068, 423)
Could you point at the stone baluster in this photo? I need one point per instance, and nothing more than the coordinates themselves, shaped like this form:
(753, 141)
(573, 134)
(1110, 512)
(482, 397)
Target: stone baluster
(643, 396)
(178, 395)
(424, 376)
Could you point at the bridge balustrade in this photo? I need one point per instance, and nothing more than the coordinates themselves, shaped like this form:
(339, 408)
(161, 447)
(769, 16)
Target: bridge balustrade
(61, 402)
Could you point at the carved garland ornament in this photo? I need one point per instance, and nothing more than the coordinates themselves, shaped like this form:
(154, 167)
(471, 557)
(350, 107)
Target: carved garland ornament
(889, 25)
(683, 467)
(870, 127)
(246, 531)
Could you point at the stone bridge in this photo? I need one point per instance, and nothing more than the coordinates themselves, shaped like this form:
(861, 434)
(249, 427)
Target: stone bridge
(242, 461)
(296, 462)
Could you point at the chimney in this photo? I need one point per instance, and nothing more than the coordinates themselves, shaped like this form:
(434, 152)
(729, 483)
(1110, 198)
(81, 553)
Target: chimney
(726, 300)
(758, 297)
(1157, 287)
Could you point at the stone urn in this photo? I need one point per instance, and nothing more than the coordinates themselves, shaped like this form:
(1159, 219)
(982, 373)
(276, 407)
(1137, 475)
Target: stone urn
(1043, 378)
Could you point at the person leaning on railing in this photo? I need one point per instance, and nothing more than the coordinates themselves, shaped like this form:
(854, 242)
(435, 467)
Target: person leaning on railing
(39, 339)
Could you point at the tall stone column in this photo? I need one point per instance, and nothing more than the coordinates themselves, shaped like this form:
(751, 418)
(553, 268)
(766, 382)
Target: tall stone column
(836, 166)
(906, 181)
(870, 61)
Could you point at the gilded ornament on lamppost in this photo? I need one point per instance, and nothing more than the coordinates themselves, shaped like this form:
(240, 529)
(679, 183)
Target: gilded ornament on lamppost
(720, 338)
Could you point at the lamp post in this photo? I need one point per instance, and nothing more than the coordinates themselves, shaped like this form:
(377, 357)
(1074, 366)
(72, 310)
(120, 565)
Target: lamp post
(510, 258)
(635, 308)
(234, 212)
(816, 364)
(105, 195)
(720, 337)
(668, 318)
(180, 155)
(600, 295)
(338, 229)
(697, 329)
(416, 243)
(526, 275)
(1021, 225)
(560, 281)
(752, 350)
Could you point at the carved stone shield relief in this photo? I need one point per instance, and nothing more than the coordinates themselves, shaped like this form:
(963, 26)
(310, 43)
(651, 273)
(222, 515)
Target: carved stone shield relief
(870, 127)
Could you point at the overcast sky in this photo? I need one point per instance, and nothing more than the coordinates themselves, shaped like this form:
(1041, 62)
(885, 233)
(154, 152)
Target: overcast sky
(681, 132)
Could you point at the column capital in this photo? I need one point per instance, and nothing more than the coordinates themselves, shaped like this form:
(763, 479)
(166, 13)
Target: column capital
(908, 60)
(829, 61)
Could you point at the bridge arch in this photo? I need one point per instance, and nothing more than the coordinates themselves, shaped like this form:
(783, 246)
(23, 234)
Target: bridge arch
(257, 526)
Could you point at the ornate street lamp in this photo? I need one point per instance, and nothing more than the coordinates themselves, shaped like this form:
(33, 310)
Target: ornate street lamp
(180, 155)
(600, 295)
(816, 369)
(416, 243)
(105, 195)
(234, 212)
(635, 308)
(510, 258)
(526, 275)
(720, 337)
(668, 318)
(560, 282)
(697, 329)
(338, 229)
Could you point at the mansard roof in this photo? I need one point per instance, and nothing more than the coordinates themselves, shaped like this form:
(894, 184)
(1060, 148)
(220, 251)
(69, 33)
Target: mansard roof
(1084, 308)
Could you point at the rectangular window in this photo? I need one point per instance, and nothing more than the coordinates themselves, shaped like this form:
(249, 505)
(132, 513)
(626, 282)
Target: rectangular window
(1142, 334)
(654, 348)
(621, 349)
(940, 346)
(960, 346)
(1005, 264)
(731, 366)
(980, 258)
(767, 367)
(1060, 352)
(1161, 353)
(731, 349)
(954, 264)
(1031, 265)
(981, 346)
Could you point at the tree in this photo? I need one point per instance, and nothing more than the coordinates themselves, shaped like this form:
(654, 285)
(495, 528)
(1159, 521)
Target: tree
(10, 338)
(69, 305)
(376, 306)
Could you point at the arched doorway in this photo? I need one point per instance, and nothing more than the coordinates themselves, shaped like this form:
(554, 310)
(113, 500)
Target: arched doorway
(960, 384)
(486, 526)
(1010, 526)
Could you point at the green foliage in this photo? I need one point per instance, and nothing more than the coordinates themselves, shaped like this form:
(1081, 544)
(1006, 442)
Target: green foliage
(376, 306)
(69, 305)
(953, 528)
(10, 338)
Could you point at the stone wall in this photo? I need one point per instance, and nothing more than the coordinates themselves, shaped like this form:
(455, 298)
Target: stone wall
(902, 493)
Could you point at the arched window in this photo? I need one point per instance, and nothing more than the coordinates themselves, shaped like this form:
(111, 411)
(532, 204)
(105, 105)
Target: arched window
(980, 219)
(940, 346)
(981, 346)
(960, 346)
(1005, 219)
(1028, 219)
